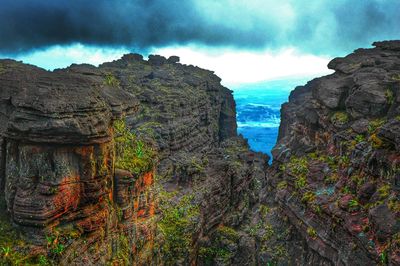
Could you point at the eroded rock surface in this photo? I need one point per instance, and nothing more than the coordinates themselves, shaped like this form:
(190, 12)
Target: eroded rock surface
(76, 171)
(337, 160)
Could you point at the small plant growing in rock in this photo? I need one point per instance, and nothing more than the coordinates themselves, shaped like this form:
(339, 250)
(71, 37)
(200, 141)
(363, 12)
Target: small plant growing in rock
(354, 204)
(5, 251)
(131, 153)
(111, 80)
(389, 96)
(331, 179)
(383, 257)
(308, 197)
(43, 261)
(311, 232)
(359, 138)
(384, 191)
(375, 124)
(346, 190)
(282, 185)
(300, 182)
(340, 118)
(375, 141)
(394, 205)
(396, 77)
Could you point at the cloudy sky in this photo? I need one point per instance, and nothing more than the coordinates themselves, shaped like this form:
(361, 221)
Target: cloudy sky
(244, 41)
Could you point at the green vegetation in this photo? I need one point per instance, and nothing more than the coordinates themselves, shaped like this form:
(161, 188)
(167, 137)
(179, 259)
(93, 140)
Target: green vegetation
(359, 138)
(383, 257)
(389, 96)
(13, 249)
(394, 205)
(375, 124)
(340, 118)
(396, 77)
(282, 185)
(354, 205)
(312, 233)
(384, 191)
(375, 141)
(178, 221)
(299, 168)
(111, 80)
(308, 197)
(131, 153)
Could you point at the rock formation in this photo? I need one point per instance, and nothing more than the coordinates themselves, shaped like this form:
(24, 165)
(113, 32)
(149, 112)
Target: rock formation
(137, 162)
(336, 167)
(82, 146)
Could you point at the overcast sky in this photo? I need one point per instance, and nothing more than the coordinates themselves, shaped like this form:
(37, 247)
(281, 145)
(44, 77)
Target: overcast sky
(243, 41)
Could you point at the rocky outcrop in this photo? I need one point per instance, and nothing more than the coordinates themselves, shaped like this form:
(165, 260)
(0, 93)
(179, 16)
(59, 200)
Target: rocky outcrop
(56, 140)
(335, 170)
(93, 161)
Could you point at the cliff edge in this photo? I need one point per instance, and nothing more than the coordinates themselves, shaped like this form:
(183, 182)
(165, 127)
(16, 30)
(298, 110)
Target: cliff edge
(336, 164)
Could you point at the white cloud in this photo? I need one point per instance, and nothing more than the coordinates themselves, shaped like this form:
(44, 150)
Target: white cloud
(238, 67)
(235, 67)
(63, 56)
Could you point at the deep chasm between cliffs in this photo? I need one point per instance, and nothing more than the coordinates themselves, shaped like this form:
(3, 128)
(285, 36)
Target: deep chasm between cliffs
(138, 162)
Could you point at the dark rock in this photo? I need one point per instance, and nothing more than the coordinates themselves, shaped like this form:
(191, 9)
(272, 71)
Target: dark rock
(383, 220)
(348, 120)
(173, 59)
(157, 60)
(366, 191)
(360, 126)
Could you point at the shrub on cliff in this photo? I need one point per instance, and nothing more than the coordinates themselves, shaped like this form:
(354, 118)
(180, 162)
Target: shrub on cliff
(131, 153)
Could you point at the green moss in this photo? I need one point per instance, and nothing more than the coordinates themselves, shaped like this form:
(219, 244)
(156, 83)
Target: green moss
(312, 233)
(264, 210)
(340, 118)
(282, 185)
(384, 191)
(389, 96)
(375, 124)
(300, 182)
(177, 224)
(376, 141)
(298, 166)
(14, 250)
(308, 197)
(131, 153)
(227, 233)
(111, 80)
(331, 179)
(396, 77)
(394, 205)
(354, 205)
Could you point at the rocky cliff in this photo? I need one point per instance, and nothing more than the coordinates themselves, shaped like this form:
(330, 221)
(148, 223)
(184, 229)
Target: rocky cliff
(336, 164)
(137, 162)
(132, 163)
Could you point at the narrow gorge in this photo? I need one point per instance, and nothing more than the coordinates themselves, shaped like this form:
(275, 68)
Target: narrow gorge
(138, 162)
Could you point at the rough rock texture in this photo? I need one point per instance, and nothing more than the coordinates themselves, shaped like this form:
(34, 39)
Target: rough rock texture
(336, 164)
(55, 130)
(63, 141)
(192, 120)
(137, 162)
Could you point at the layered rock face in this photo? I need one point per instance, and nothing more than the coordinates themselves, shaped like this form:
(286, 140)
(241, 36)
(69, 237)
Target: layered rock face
(191, 119)
(56, 140)
(336, 164)
(57, 160)
(137, 162)
(77, 162)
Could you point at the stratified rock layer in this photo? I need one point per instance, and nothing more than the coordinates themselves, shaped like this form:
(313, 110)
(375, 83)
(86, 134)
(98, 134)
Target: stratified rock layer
(335, 169)
(58, 158)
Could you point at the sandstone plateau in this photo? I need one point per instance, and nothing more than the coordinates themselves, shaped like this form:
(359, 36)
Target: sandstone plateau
(138, 162)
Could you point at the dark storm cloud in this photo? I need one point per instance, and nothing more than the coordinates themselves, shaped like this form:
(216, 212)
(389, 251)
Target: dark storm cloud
(316, 26)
